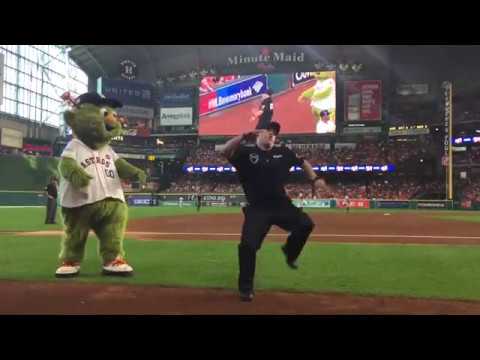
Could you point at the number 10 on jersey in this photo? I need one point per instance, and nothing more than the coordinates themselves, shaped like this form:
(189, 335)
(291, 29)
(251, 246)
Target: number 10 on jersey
(109, 173)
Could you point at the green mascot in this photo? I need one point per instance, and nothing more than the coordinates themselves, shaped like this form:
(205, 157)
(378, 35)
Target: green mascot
(323, 101)
(90, 193)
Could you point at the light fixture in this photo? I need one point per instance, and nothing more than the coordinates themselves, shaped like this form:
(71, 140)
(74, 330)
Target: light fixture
(357, 67)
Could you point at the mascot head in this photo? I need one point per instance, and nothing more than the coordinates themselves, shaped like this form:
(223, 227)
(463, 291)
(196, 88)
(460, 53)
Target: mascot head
(93, 119)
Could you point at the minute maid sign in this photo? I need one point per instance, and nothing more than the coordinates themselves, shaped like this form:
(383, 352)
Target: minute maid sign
(268, 58)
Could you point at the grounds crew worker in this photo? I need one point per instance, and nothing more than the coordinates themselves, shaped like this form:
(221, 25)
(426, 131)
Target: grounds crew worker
(263, 170)
(52, 193)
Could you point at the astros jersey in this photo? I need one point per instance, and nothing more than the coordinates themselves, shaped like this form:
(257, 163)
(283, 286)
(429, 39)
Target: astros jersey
(100, 165)
(325, 127)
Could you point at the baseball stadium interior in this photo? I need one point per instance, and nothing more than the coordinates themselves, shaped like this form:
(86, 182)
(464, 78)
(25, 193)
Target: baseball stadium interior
(389, 205)
(388, 109)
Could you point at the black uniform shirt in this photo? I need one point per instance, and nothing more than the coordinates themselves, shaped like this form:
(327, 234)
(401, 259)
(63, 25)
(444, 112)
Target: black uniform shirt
(51, 189)
(263, 173)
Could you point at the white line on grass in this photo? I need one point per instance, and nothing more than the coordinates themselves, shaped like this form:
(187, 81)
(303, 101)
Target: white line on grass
(140, 233)
(313, 235)
(19, 207)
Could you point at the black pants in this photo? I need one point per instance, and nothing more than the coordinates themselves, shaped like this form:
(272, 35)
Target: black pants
(51, 211)
(256, 226)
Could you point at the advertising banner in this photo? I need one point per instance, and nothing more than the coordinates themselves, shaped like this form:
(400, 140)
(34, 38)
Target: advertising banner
(392, 204)
(363, 100)
(11, 138)
(232, 94)
(176, 116)
(312, 203)
(354, 203)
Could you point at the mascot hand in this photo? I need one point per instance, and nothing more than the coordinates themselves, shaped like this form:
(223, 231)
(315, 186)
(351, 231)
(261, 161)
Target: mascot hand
(80, 178)
(141, 177)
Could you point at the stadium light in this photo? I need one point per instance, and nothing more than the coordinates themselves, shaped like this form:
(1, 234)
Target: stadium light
(357, 67)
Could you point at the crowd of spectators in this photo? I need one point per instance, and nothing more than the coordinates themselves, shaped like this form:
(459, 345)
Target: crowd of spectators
(14, 151)
(392, 152)
(470, 190)
(205, 154)
(376, 189)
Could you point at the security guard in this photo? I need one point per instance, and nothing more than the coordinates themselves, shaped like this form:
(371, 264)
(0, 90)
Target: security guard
(263, 169)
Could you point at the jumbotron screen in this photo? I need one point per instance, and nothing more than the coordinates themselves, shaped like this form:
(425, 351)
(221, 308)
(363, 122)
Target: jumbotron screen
(303, 103)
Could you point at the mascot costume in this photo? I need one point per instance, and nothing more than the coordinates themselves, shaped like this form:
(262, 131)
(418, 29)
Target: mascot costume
(91, 195)
(323, 101)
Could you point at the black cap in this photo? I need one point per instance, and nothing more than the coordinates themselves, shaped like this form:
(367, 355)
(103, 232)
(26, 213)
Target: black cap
(275, 127)
(97, 99)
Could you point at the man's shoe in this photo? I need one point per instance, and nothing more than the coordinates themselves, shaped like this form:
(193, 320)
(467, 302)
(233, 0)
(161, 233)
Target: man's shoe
(291, 264)
(246, 296)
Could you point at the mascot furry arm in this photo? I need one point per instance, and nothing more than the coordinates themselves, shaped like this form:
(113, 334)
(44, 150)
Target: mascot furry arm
(127, 171)
(79, 178)
(309, 94)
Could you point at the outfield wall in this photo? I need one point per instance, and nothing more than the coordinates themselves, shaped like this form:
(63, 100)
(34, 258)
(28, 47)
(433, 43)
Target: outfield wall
(25, 172)
(36, 198)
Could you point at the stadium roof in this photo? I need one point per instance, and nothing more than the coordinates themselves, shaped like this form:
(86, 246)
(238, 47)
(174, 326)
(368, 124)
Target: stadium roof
(410, 62)
(104, 60)
(158, 60)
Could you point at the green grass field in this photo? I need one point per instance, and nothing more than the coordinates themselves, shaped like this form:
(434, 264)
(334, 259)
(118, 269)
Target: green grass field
(448, 272)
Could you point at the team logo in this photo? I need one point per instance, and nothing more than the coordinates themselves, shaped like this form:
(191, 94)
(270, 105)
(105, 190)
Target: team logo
(128, 70)
(254, 158)
(257, 86)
